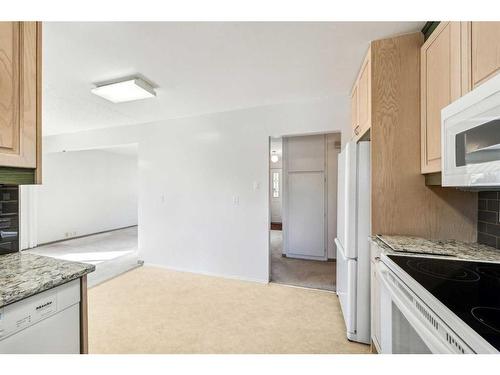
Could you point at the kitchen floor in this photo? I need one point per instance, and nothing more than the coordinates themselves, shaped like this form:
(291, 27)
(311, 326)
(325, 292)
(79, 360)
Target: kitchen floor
(112, 252)
(299, 272)
(154, 310)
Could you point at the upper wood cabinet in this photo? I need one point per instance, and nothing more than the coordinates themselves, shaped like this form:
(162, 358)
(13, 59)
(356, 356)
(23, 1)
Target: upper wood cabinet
(20, 74)
(457, 57)
(354, 110)
(361, 100)
(441, 83)
(485, 50)
(364, 94)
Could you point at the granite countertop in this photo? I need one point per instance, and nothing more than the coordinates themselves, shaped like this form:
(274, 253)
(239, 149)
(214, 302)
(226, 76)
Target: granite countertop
(23, 275)
(451, 249)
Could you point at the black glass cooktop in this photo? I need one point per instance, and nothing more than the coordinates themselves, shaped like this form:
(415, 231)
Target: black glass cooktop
(470, 289)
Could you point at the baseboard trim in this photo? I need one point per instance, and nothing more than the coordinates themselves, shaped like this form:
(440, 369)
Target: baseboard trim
(83, 236)
(204, 273)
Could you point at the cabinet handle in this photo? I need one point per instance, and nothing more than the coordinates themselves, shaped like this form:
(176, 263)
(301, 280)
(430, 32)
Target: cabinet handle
(356, 131)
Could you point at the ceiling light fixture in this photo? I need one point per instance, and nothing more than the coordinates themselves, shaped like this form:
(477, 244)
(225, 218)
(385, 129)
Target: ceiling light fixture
(125, 91)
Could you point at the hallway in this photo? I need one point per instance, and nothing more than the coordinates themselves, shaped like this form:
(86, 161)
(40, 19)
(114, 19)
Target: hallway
(298, 272)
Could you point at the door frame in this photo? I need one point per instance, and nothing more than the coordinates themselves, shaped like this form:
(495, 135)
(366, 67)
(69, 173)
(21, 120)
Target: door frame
(285, 197)
(269, 182)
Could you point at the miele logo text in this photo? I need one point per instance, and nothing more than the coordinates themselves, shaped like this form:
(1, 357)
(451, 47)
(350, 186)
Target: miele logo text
(44, 305)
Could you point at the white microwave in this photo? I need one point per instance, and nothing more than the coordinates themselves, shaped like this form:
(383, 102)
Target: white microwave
(470, 139)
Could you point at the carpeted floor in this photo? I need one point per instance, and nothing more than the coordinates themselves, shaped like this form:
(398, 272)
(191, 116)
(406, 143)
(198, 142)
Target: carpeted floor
(154, 310)
(298, 272)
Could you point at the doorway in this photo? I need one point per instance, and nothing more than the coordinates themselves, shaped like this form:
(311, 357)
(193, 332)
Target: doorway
(303, 210)
(86, 210)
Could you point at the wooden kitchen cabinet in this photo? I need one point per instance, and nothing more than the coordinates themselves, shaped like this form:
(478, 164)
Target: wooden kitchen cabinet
(485, 50)
(361, 100)
(457, 57)
(20, 99)
(354, 110)
(364, 94)
(441, 83)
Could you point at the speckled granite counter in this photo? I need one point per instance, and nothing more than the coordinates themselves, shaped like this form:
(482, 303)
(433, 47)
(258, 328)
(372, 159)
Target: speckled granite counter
(23, 275)
(416, 246)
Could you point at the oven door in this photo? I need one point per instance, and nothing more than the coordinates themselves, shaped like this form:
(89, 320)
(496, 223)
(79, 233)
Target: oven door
(403, 329)
(471, 138)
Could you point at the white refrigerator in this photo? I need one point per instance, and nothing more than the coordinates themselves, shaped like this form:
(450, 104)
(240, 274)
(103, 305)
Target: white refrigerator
(353, 231)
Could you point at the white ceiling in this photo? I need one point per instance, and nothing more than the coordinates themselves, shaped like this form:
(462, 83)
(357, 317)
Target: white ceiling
(198, 67)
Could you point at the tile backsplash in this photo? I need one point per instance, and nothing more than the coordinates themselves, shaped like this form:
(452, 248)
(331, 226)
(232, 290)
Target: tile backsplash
(488, 224)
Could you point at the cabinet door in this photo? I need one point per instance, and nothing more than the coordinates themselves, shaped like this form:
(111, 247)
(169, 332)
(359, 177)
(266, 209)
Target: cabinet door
(485, 46)
(441, 81)
(18, 94)
(354, 111)
(364, 95)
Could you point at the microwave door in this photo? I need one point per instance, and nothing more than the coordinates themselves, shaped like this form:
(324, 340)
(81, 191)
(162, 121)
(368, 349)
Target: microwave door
(470, 138)
(480, 144)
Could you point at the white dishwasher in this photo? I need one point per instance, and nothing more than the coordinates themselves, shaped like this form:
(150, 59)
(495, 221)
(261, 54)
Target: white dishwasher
(48, 322)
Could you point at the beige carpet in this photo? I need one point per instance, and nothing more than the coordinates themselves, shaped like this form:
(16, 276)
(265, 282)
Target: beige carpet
(299, 272)
(153, 310)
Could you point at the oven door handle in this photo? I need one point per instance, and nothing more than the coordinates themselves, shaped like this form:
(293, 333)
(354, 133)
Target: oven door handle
(429, 337)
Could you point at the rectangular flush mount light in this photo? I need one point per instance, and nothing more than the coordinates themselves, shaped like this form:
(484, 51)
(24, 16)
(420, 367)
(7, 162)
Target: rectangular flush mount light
(125, 91)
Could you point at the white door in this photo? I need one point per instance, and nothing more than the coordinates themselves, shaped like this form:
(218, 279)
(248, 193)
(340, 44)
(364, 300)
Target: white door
(304, 199)
(275, 194)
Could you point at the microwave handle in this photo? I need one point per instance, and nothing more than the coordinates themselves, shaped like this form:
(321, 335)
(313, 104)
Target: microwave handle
(435, 344)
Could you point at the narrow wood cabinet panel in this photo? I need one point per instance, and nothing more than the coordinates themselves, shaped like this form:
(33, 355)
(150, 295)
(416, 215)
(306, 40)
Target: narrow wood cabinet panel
(441, 83)
(354, 110)
(361, 103)
(485, 47)
(9, 86)
(364, 88)
(29, 103)
(19, 87)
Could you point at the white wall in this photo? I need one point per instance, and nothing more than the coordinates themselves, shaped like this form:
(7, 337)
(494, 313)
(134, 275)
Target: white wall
(192, 170)
(85, 192)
